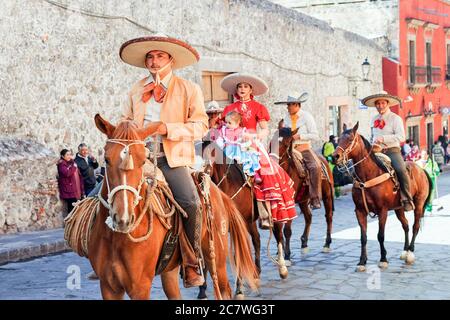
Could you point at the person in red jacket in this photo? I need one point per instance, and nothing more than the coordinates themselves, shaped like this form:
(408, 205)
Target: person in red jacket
(70, 181)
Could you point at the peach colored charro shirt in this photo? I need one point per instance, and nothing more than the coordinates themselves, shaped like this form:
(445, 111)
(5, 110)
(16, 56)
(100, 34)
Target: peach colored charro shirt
(183, 112)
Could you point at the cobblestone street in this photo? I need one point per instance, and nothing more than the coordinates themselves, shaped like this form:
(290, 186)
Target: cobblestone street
(315, 275)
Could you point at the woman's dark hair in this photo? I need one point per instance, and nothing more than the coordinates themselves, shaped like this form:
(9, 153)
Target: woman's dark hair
(63, 152)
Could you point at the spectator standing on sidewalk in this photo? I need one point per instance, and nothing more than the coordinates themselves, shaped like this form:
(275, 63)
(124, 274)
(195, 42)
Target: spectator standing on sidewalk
(86, 164)
(438, 154)
(406, 148)
(432, 168)
(70, 181)
(414, 154)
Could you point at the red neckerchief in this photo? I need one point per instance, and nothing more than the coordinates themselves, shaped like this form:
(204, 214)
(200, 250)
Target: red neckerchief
(379, 123)
(158, 91)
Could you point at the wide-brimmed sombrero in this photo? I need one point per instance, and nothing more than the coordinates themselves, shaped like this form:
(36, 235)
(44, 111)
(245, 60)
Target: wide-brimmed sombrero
(294, 98)
(370, 100)
(213, 107)
(134, 51)
(230, 82)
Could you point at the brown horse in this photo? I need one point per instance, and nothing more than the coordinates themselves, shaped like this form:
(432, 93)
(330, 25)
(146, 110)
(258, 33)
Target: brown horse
(126, 266)
(302, 196)
(229, 178)
(373, 193)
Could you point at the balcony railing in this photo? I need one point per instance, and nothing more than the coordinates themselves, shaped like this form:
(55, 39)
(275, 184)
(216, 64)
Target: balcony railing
(422, 76)
(433, 75)
(417, 75)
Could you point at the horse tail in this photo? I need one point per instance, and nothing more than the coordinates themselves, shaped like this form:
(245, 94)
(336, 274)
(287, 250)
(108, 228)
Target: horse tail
(428, 199)
(240, 250)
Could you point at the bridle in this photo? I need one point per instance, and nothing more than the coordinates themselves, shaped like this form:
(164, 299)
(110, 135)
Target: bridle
(345, 158)
(111, 193)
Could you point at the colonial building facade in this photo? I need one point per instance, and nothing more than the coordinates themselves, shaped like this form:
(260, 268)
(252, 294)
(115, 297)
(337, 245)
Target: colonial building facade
(421, 76)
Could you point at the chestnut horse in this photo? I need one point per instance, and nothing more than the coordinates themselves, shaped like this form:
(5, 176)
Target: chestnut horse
(373, 193)
(229, 178)
(302, 198)
(126, 266)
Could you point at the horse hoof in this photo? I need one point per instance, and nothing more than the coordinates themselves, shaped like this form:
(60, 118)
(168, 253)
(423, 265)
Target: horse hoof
(239, 296)
(383, 265)
(305, 250)
(361, 269)
(326, 249)
(288, 263)
(410, 258)
(283, 271)
(204, 298)
(403, 255)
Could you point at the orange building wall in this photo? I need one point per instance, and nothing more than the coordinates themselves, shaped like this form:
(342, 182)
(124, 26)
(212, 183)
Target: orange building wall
(395, 76)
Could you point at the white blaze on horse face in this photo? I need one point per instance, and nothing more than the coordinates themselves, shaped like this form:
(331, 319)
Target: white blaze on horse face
(125, 199)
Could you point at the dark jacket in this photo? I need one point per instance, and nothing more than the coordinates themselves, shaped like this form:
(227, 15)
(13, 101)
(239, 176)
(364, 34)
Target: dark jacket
(69, 180)
(87, 171)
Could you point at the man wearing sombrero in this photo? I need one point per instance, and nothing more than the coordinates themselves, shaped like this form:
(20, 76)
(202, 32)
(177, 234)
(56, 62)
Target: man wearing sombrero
(388, 131)
(304, 123)
(179, 107)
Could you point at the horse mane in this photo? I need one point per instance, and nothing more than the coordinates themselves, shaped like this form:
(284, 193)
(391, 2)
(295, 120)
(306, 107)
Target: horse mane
(372, 155)
(126, 130)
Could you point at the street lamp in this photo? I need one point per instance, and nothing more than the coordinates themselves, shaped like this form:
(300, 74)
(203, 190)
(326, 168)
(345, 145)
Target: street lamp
(365, 69)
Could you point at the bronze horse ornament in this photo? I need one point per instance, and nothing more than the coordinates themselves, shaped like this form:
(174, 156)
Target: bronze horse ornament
(125, 254)
(374, 190)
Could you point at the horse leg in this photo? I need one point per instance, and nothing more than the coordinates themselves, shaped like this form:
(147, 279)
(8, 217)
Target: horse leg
(287, 231)
(400, 213)
(202, 289)
(418, 214)
(328, 203)
(308, 219)
(278, 232)
(256, 240)
(362, 221)
(382, 217)
(109, 294)
(171, 284)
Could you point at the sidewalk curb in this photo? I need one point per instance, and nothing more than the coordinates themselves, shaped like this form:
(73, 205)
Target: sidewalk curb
(17, 253)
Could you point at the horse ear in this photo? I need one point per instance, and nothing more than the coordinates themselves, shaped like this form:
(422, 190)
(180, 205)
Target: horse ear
(104, 126)
(148, 130)
(355, 128)
(281, 124)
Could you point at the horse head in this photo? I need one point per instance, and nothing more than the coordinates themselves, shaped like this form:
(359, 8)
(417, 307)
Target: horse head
(346, 148)
(125, 155)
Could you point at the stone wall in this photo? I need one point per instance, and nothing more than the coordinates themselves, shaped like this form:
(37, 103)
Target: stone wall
(60, 64)
(29, 189)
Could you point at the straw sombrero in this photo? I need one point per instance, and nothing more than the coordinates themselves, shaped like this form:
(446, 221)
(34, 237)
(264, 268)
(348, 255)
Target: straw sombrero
(370, 100)
(294, 99)
(230, 82)
(134, 51)
(213, 107)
